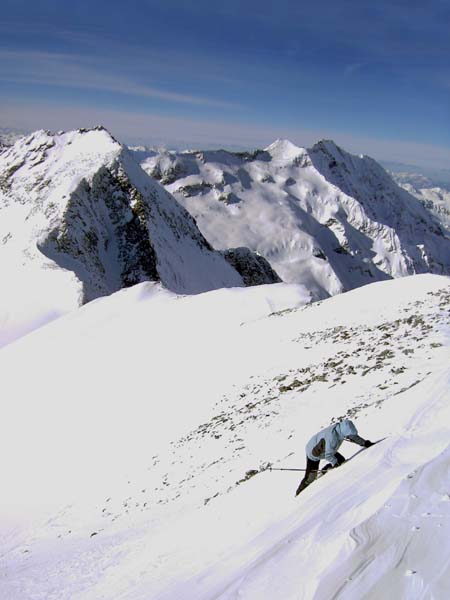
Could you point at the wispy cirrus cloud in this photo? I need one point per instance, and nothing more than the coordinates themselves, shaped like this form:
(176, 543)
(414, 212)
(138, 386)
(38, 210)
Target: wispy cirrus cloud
(77, 71)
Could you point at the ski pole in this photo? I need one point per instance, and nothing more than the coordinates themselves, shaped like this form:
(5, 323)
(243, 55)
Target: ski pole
(281, 469)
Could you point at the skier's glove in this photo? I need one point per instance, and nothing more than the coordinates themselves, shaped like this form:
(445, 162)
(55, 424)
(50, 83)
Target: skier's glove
(367, 444)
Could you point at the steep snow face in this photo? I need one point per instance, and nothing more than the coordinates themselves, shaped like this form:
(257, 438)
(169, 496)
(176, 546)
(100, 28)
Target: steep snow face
(80, 219)
(139, 443)
(322, 217)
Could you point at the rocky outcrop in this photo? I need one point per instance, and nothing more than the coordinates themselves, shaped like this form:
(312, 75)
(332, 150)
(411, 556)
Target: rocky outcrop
(252, 267)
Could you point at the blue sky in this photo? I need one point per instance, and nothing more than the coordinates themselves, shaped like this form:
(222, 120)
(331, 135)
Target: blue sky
(373, 76)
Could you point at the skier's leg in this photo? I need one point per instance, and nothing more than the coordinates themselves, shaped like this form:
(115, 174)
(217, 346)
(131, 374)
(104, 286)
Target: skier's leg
(312, 466)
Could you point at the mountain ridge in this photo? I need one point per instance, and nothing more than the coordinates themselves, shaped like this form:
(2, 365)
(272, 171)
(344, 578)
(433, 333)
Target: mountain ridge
(320, 216)
(78, 212)
(62, 171)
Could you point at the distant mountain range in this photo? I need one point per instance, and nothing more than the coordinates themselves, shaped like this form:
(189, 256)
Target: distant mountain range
(430, 186)
(80, 219)
(438, 177)
(321, 216)
(9, 136)
(82, 216)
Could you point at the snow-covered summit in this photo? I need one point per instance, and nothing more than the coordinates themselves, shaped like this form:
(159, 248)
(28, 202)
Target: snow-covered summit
(283, 149)
(80, 219)
(322, 217)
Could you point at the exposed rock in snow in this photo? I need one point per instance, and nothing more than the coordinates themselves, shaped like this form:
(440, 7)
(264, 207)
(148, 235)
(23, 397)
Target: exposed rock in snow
(80, 219)
(322, 217)
(253, 268)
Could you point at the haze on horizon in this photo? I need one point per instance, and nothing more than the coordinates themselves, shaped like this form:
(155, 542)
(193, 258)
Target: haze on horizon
(374, 78)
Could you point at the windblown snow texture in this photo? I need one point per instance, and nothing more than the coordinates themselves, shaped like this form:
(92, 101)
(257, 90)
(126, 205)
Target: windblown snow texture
(322, 217)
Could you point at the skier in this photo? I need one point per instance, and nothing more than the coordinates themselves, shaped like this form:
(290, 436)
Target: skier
(325, 445)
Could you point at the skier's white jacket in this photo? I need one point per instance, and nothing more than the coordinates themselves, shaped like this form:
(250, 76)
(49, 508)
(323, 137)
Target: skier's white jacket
(333, 435)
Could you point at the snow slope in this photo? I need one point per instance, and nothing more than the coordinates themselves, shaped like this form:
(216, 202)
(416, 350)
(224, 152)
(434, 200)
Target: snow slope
(139, 440)
(321, 216)
(80, 219)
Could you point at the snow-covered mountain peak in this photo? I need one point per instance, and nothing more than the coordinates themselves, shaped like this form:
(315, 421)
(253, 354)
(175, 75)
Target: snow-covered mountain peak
(42, 163)
(283, 149)
(328, 146)
(330, 158)
(78, 213)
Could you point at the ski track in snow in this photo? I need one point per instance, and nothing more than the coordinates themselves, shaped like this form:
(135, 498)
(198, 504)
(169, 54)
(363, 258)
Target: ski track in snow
(197, 523)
